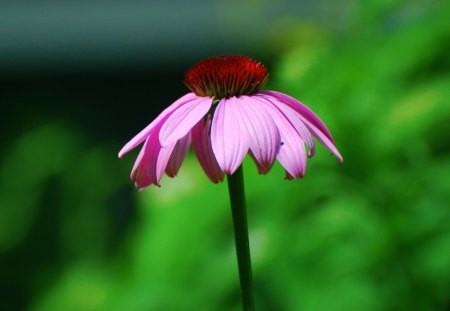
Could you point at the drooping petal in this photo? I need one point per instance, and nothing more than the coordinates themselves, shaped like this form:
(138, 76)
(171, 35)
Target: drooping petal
(201, 142)
(139, 138)
(163, 160)
(144, 174)
(303, 110)
(264, 139)
(292, 153)
(179, 153)
(229, 142)
(182, 120)
(154, 161)
(293, 117)
(318, 129)
(324, 140)
(138, 160)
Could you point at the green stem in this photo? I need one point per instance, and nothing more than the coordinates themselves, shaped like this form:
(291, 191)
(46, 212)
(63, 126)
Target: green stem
(238, 211)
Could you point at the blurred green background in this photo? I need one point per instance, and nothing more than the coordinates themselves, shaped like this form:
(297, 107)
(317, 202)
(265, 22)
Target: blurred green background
(81, 78)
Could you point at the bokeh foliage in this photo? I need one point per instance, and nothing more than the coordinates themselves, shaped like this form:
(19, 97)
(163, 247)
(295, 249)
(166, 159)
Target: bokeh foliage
(372, 234)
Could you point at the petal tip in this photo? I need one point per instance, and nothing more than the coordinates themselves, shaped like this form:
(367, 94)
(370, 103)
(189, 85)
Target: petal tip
(290, 177)
(122, 152)
(338, 156)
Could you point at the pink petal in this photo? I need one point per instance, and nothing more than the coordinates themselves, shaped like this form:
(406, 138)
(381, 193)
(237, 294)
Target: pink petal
(303, 110)
(325, 141)
(154, 161)
(293, 117)
(321, 133)
(182, 120)
(229, 142)
(138, 161)
(163, 159)
(139, 138)
(292, 154)
(144, 175)
(202, 147)
(178, 155)
(262, 132)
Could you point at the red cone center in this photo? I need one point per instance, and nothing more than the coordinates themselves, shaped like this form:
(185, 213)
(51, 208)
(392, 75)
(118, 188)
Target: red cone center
(226, 76)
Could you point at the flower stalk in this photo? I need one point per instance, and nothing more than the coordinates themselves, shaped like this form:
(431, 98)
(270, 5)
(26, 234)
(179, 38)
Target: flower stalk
(239, 215)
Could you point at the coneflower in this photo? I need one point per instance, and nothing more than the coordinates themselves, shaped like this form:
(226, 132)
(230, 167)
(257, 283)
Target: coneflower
(226, 117)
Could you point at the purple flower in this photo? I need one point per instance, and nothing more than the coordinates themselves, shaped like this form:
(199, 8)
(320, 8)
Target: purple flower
(226, 117)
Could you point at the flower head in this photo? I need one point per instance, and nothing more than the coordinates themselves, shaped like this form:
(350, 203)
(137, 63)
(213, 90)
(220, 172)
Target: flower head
(226, 117)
